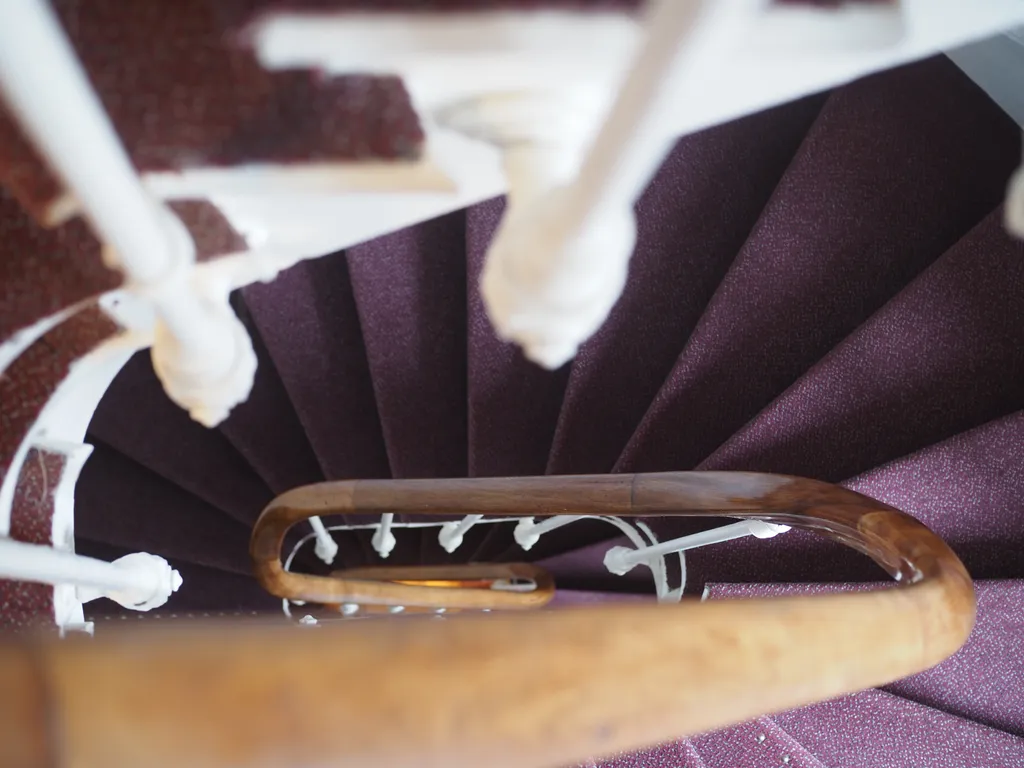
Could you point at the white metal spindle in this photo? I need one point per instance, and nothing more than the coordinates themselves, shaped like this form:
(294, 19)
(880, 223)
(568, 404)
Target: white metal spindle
(621, 560)
(383, 539)
(451, 534)
(326, 547)
(528, 532)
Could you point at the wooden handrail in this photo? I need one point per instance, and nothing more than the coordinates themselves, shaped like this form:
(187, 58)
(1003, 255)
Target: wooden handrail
(522, 689)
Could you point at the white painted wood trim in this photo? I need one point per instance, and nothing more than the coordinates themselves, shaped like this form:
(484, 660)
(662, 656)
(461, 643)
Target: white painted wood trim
(301, 179)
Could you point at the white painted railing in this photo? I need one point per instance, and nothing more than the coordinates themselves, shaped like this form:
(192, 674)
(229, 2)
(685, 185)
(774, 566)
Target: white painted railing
(646, 550)
(138, 581)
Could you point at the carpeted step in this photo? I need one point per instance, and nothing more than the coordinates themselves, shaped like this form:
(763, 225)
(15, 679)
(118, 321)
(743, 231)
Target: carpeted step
(121, 503)
(940, 358)
(137, 418)
(981, 682)
(881, 730)
(893, 173)
(308, 320)
(677, 754)
(265, 428)
(968, 489)
(410, 292)
(760, 743)
(692, 221)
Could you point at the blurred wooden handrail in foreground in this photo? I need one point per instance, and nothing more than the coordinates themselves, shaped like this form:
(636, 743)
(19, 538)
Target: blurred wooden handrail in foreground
(522, 689)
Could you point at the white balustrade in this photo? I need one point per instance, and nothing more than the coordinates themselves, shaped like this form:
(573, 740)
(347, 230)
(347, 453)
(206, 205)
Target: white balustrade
(139, 581)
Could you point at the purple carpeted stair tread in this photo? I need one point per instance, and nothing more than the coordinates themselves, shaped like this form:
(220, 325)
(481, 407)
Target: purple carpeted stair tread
(881, 730)
(893, 173)
(760, 743)
(308, 320)
(969, 489)
(121, 503)
(265, 429)
(410, 292)
(137, 418)
(981, 682)
(676, 754)
(692, 221)
(211, 590)
(940, 358)
(503, 385)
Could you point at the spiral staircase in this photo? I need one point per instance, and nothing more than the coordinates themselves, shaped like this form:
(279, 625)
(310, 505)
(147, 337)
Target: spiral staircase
(823, 289)
(826, 289)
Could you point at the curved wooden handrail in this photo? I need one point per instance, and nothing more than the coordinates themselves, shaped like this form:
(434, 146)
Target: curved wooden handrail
(541, 688)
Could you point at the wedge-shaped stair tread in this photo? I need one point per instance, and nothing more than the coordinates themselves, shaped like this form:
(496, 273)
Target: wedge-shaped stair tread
(265, 428)
(940, 358)
(121, 503)
(886, 731)
(168, 442)
(981, 682)
(309, 323)
(692, 221)
(410, 291)
(893, 173)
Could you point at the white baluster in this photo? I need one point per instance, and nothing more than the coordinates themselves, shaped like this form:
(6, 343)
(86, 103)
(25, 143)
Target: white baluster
(139, 581)
(558, 265)
(528, 532)
(383, 539)
(201, 352)
(451, 534)
(326, 548)
(621, 560)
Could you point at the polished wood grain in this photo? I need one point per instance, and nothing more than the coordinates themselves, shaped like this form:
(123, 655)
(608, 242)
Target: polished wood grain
(539, 688)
